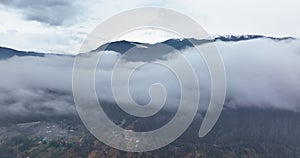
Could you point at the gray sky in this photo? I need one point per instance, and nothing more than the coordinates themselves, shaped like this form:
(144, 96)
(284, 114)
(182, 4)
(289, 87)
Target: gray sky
(61, 25)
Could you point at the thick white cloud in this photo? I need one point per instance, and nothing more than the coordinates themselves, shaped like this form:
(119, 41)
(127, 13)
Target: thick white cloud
(263, 73)
(260, 73)
(276, 18)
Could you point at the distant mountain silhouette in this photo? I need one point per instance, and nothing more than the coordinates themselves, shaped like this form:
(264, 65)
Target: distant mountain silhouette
(233, 38)
(123, 46)
(8, 53)
(179, 44)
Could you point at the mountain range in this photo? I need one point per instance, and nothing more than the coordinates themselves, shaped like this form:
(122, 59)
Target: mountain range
(123, 46)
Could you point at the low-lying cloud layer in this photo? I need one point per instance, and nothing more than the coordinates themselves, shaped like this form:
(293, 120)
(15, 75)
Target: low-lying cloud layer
(263, 73)
(260, 73)
(35, 87)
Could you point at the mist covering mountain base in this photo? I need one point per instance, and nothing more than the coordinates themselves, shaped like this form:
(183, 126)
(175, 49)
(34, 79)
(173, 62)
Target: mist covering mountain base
(260, 116)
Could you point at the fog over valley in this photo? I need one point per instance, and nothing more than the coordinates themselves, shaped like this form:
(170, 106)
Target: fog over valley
(262, 73)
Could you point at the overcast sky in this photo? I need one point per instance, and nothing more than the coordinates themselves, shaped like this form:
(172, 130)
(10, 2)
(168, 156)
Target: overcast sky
(61, 25)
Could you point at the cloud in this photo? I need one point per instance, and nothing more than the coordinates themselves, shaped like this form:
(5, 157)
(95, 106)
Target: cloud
(238, 17)
(56, 12)
(35, 88)
(67, 19)
(30, 104)
(261, 73)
